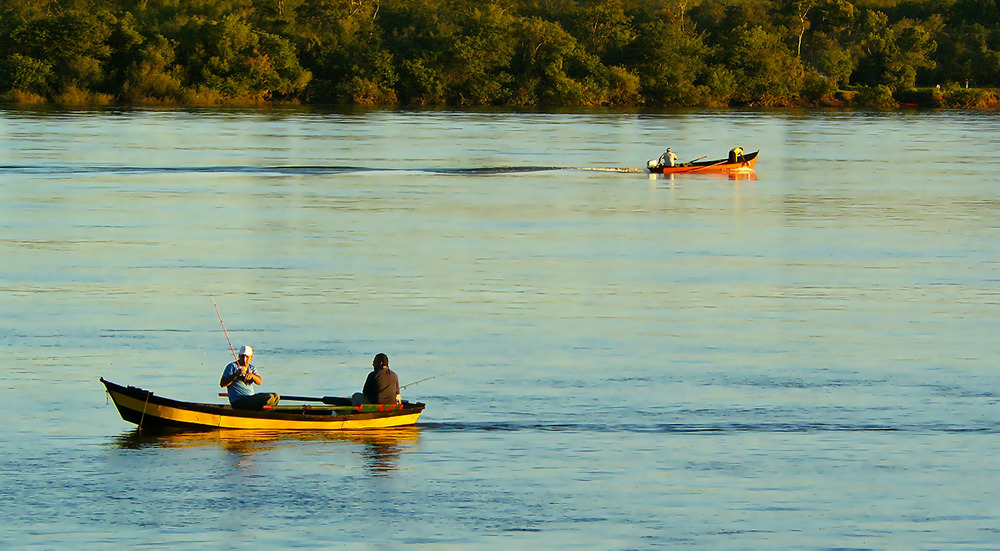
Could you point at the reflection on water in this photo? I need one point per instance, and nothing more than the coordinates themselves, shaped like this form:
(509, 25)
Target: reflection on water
(733, 176)
(382, 451)
(742, 175)
(380, 448)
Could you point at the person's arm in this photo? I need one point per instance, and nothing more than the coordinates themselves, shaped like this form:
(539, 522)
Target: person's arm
(239, 372)
(227, 380)
(253, 377)
(369, 390)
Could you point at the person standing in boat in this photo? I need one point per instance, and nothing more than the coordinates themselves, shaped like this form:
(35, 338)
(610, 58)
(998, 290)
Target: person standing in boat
(239, 378)
(736, 155)
(668, 158)
(381, 386)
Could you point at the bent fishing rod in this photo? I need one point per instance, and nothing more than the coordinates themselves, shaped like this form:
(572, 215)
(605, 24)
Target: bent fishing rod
(426, 379)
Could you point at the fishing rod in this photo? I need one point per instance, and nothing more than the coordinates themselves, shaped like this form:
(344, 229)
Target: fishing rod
(422, 380)
(336, 401)
(224, 329)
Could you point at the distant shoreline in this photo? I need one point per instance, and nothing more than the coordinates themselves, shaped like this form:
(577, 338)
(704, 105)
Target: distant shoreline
(858, 98)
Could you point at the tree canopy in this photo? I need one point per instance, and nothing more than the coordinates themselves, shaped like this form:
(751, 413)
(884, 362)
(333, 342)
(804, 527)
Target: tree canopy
(573, 53)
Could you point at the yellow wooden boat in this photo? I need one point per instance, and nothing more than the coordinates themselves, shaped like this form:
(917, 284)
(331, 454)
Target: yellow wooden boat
(150, 411)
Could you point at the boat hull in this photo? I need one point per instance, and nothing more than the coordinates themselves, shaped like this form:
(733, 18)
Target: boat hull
(149, 411)
(719, 165)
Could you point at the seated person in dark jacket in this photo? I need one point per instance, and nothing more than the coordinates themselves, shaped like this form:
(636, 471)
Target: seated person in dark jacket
(381, 386)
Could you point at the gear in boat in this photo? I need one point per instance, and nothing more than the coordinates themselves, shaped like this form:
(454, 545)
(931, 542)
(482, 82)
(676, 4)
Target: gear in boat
(736, 161)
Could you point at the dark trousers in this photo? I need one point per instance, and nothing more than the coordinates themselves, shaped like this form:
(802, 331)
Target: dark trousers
(256, 402)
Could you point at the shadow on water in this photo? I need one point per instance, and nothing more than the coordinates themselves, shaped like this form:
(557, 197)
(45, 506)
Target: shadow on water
(381, 448)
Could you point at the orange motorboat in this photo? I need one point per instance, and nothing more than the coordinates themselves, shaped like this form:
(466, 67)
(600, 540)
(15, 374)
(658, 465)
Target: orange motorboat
(742, 163)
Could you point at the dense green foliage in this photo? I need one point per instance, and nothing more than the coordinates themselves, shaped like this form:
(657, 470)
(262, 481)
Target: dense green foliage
(507, 52)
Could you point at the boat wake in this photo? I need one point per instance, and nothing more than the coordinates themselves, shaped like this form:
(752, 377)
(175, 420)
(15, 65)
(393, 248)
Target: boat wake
(699, 428)
(292, 170)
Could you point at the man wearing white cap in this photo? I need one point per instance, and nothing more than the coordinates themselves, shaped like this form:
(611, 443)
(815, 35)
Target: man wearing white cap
(239, 377)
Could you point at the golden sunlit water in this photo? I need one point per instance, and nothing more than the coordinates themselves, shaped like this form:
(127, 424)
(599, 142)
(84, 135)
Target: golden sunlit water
(802, 357)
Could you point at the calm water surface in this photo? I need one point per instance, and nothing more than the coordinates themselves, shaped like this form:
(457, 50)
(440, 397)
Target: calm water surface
(803, 359)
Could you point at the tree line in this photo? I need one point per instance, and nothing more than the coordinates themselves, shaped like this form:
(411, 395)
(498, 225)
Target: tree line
(573, 53)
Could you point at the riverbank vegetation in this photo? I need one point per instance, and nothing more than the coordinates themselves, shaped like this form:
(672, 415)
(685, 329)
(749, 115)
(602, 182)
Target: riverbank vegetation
(574, 53)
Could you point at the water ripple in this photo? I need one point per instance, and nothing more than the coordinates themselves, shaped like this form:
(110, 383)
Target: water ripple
(684, 428)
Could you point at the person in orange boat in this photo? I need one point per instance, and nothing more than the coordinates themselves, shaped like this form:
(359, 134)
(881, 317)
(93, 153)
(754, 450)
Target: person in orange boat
(736, 155)
(239, 377)
(381, 386)
(668, 158)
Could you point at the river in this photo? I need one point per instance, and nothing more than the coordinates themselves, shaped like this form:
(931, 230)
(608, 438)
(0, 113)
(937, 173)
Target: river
(805, 357)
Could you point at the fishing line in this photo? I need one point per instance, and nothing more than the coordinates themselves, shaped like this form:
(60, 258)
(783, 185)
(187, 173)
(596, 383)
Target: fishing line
(224, 329)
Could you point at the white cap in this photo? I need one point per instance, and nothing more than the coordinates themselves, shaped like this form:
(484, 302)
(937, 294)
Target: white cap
(246, 351)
